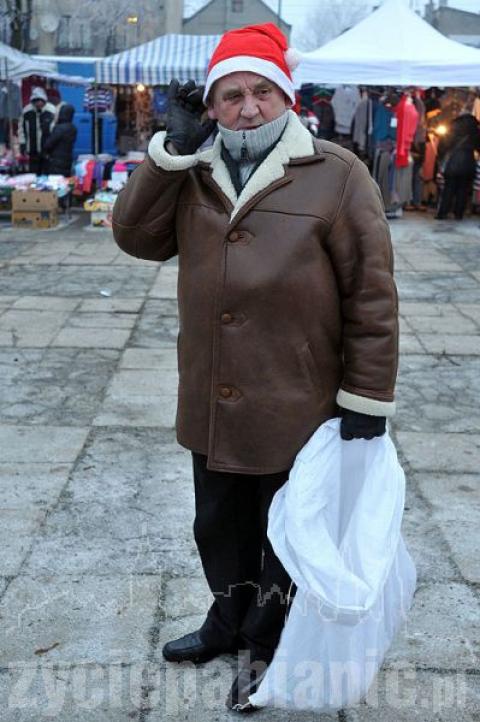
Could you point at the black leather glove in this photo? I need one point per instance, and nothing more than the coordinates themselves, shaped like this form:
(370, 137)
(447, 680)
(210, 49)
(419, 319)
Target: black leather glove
(361, 426)
(184, 117)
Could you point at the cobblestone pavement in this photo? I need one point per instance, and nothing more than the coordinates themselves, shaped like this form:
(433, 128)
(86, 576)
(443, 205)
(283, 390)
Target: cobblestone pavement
(98, 565)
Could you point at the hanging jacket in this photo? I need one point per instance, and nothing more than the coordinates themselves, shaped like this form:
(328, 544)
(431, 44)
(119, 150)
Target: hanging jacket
(35, 126)
(59, 145)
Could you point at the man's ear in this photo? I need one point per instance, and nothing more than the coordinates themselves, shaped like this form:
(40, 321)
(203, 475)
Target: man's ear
(211, 113)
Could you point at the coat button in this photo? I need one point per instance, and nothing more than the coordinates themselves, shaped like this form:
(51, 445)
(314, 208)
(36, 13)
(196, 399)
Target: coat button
(234, 236)
(226, 318)
(225, 392)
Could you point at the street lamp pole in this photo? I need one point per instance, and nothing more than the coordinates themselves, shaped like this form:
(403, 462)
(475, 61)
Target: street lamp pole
(279, 12)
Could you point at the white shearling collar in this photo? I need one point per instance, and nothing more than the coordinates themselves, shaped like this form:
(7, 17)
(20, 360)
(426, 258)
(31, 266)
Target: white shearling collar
(296, 142)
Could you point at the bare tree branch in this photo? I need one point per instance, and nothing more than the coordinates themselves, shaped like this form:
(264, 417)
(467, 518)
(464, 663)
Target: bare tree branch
(328, 21)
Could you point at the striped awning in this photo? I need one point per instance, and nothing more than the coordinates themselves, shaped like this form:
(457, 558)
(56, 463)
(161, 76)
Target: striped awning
(171, 56)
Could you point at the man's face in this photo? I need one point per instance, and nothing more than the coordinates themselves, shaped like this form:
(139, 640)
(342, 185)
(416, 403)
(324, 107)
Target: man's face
(38, 103)
(245, 100)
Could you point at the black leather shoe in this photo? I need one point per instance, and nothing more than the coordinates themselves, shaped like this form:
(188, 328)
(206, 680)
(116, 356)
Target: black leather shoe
(190, 648)
(245, 684)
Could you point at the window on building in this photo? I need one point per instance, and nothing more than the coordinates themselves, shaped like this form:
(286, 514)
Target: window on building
(64, 32)
(237, 6)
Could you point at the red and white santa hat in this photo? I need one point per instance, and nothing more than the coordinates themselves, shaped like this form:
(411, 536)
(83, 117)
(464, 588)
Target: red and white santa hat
(260, 49)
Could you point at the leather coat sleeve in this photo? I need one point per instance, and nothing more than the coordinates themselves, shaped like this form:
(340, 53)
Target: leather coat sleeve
(143, 218)
(361, 252)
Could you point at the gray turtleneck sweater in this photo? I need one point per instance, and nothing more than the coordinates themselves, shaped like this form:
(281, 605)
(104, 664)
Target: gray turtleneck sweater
(248, 148)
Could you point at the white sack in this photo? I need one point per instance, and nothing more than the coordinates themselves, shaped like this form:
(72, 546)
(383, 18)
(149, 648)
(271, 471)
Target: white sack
(335, 526)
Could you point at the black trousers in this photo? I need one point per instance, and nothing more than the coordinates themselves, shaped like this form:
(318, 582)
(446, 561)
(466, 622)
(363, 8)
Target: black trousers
(249, 584)
(454, 193)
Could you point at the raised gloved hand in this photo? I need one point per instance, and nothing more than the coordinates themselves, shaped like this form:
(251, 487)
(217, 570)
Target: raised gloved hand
(361, 426)
(185, 129)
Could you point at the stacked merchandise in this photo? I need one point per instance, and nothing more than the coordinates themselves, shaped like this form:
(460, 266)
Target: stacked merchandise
(34, 200)
(100, 207)
(101, 204)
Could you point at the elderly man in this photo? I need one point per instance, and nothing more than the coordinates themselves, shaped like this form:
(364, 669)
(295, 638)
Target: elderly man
(288, 316)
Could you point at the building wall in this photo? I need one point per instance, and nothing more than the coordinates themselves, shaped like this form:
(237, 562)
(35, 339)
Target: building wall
(455, 24)
(100, 27)
(220, 15)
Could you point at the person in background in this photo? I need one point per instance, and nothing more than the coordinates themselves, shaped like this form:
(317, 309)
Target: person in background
(35, 126)
(457, 163)
(58, 148)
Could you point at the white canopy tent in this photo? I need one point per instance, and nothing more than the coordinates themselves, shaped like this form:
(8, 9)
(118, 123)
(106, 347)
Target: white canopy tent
(392, 46)
(15, 64)
(157, 62)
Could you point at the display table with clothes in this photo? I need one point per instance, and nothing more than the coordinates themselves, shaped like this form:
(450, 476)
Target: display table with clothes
(32, 185)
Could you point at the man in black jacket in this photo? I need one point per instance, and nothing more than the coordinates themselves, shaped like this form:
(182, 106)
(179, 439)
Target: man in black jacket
(58, 147)
(35, 127)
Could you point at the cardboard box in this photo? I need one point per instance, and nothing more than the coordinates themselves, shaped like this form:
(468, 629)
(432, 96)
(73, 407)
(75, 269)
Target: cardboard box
(35, 219)
(34, 200)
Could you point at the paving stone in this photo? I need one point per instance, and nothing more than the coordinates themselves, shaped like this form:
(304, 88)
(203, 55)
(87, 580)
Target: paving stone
(409, 344)
(102, 320)
(407, 695)
(112, 305)
(90, 618)
(456, 508)
(77, 281)
(31, 485)
(165, 285)
(441, 452)
(185, 596)
(146, 358)
(423, 308)
(154, 329)
(438, 393)
(431, 261)
(17, 530)
(74, 693)
(138, 410)
(141, 382)
(452, 344)
(442, 629)
(127, 537)
(119, 464)
(46, 303)
(53, 386)
(32, 328)
(451, 322)
(472, 310)
(52, 444)
(91, 337)
(437, 287)
(425, 540)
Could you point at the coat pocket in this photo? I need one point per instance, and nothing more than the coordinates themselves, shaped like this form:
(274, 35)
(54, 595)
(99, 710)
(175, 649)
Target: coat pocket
(310, 368)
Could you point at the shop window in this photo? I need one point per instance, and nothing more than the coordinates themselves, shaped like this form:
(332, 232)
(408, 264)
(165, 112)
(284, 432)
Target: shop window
(237, 6)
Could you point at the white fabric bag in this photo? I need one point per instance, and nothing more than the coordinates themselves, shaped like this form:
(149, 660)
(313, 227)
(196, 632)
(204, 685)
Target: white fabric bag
(335, 526)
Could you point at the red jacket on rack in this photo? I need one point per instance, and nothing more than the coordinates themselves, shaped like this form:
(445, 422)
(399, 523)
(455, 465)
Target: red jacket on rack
(407, 122)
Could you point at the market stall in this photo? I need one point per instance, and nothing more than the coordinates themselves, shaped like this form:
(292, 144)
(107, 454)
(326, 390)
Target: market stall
(140, 76)
(394, 101)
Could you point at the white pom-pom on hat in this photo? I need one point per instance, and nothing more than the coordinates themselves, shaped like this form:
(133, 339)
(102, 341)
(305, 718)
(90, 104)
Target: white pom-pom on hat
(292, 58)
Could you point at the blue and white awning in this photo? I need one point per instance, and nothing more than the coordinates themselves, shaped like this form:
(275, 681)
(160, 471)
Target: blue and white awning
(171, 56)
